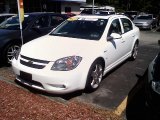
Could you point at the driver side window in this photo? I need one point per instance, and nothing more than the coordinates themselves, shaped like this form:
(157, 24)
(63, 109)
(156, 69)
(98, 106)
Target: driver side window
(115, 27)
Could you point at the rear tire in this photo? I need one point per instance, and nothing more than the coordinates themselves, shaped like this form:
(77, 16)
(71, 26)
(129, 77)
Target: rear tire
(94, 77)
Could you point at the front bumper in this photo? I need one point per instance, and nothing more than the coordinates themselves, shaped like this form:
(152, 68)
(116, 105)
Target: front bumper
(45, 79)
(143, 26)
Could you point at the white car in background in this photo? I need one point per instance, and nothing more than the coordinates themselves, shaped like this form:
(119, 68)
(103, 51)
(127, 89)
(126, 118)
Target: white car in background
(77, 54)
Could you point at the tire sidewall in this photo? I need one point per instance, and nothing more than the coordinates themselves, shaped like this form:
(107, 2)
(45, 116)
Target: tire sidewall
(132, 56)
(88, 86)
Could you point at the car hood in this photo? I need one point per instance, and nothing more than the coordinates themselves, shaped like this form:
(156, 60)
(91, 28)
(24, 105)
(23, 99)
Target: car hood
(52, 48)
(142, 21)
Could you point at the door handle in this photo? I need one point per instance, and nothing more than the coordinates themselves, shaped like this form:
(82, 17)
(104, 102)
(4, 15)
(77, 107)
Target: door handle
(122, 41)
(133, 35)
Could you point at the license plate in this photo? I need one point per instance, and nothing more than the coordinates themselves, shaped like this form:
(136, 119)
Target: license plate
(25, 76)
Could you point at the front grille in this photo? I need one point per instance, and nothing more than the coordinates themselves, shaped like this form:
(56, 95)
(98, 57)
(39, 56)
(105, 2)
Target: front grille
(35, 60)
(33, 63)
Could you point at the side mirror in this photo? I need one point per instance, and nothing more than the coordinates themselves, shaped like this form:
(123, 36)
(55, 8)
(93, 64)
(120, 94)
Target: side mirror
(116, 36)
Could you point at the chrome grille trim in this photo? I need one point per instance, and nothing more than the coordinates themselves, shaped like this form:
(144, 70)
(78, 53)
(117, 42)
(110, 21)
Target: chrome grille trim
(35, 60)
(33, 63)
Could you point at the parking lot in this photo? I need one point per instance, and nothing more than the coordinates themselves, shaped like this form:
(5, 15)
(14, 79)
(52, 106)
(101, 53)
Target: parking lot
(116, 85)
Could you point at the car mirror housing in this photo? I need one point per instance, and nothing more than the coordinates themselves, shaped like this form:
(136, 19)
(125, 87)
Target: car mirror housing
(116, 36)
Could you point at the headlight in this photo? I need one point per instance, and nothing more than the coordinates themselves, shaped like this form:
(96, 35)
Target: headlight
(16, 54)
(156, 86)
(66, 63)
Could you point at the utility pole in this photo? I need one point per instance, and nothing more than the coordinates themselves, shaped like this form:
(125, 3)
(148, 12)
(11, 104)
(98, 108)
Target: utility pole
(93, 7)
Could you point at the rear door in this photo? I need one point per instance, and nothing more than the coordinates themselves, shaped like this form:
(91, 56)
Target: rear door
(128, 34)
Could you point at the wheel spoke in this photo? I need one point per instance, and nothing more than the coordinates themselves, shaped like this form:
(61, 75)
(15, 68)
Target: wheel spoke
(11, 51)
(96, 76)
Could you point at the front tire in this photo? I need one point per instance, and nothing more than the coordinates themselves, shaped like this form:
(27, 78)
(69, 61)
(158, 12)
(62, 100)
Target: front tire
(94, 77)
(134, 51)
(151, 27)
(9, 52)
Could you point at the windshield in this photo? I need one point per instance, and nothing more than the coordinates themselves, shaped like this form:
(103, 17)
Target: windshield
(146, 17)
(81, 28)
(12, 23)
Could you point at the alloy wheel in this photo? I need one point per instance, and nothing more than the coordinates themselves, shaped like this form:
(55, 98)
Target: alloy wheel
(10, 52)
(135, 51)
(96, 75)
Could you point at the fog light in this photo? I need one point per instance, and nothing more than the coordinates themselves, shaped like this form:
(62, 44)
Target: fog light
(57, 86)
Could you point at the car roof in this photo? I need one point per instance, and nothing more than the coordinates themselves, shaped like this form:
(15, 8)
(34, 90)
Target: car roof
(43, 13)
(100, 16)
(7, 14)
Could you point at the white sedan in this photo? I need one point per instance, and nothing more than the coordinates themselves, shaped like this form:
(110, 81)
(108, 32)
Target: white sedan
(77, 54)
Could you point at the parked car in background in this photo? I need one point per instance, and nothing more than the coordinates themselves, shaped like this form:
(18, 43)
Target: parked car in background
(63, 61)
(153, 84)
(97, 12)
(87, 12)
(34, 25)
(3, 17)
(69, 14)
(146, 21)
(106, 12)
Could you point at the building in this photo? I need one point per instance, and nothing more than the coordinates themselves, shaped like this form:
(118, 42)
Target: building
(58, 6)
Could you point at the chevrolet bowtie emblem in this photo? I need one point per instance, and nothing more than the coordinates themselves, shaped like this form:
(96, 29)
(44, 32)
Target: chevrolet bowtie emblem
(30, 62)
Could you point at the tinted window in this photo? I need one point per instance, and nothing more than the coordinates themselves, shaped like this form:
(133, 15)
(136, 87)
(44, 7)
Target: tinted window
(85, 29)
(87, 11)
(42, 22)
(115, 27)
(12, 23)
(2, 18)
(56, 20)
(67, 9)
(147, 17)
(127, 25)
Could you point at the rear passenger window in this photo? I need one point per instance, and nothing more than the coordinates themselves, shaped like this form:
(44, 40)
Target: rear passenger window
(127, 25)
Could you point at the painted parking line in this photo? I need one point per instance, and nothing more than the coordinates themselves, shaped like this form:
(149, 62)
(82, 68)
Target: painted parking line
(120, 109)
